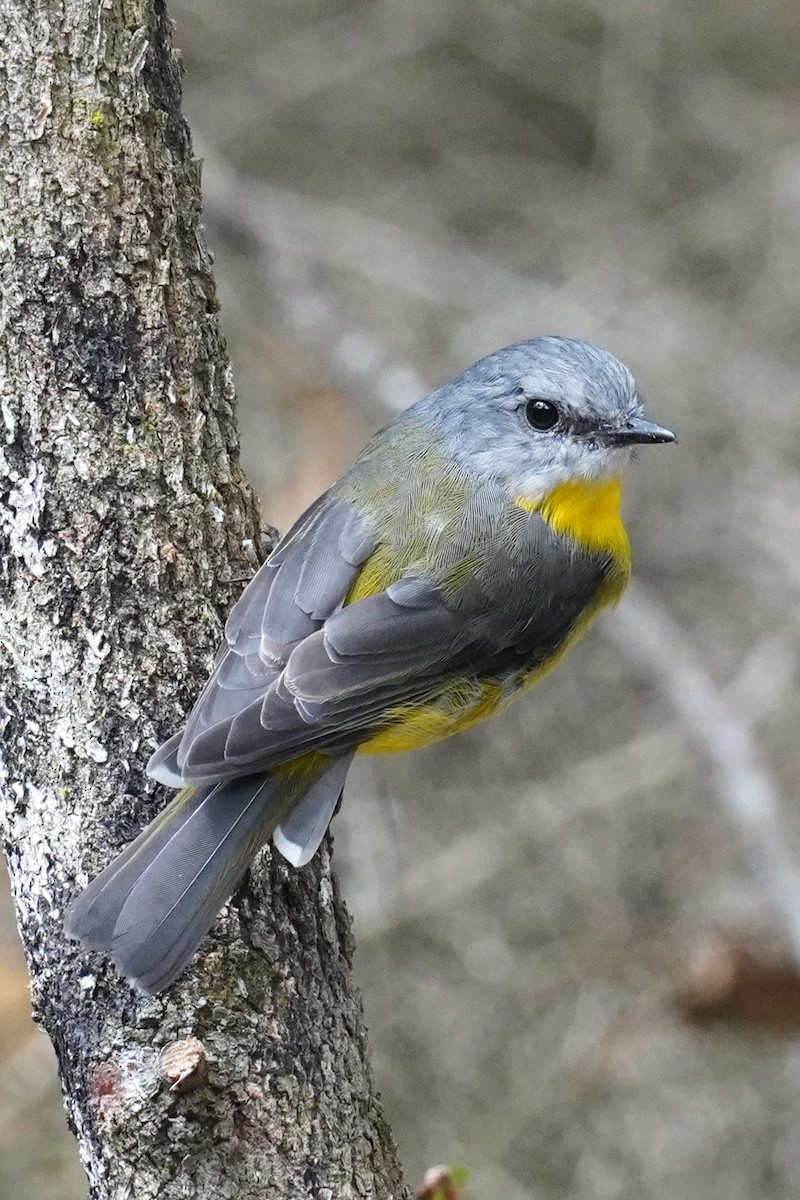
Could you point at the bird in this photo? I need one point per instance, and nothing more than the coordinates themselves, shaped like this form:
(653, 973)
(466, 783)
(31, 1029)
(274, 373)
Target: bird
(471, 544)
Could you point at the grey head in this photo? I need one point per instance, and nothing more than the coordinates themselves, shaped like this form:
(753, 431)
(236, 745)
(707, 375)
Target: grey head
(541, 412)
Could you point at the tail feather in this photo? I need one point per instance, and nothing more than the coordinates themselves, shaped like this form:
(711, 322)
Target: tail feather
(163, 765)
(93, 914)
(171, 907)
(153, 905)
(302, 829)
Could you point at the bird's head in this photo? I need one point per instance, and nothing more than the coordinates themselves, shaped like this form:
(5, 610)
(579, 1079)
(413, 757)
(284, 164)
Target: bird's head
(542, 413)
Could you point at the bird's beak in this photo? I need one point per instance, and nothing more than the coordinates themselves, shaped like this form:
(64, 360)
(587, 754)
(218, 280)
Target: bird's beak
(638, 430)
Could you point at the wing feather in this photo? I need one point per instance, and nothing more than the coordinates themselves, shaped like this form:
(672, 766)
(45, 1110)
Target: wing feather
(330, 688)
(304, 581)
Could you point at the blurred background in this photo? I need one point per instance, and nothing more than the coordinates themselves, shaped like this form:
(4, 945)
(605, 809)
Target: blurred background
(578, 927)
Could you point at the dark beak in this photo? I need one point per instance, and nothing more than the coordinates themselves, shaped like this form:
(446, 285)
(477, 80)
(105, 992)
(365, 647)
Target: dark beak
(637, 431)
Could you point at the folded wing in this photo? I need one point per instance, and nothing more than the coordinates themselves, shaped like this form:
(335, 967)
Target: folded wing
(301, 671)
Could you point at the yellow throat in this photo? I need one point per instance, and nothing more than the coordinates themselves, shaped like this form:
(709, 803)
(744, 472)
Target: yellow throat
(589, 513)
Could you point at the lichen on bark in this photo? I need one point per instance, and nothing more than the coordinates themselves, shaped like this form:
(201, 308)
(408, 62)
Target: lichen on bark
(127, 530)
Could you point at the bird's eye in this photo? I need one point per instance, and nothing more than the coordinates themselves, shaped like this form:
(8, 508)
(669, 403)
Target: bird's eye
(541, 414)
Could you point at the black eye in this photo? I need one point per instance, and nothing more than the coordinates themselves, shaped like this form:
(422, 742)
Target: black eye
(541, 414)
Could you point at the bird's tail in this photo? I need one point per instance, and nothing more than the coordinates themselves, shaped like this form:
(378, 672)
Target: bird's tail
(153, 905)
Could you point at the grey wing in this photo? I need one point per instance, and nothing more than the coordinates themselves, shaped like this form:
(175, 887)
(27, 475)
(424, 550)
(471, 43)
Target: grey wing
(400, 646)
(304, 581)
(330, 686)
(338, 682)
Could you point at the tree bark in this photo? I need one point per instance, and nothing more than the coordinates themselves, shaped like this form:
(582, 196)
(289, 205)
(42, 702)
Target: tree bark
(127, 531)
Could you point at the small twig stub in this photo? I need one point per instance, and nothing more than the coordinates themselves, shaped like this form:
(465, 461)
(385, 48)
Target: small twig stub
(183, 1064)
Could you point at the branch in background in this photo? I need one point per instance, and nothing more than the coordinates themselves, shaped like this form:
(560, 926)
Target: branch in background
(650, 639)
(327, 53)
(436, 269)
(353, 350)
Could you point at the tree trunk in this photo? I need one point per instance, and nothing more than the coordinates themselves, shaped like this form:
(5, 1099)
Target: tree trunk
(127, 532)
